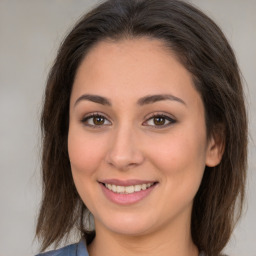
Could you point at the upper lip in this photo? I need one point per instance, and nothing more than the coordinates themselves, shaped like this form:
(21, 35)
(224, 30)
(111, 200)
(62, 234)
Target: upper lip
(130, 182)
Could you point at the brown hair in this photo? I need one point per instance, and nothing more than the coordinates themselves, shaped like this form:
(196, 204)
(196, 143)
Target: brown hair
(204, 51)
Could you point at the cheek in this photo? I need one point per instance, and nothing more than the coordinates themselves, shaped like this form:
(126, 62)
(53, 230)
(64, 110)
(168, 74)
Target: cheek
(182, 165)
(84, 154)
(181, 158)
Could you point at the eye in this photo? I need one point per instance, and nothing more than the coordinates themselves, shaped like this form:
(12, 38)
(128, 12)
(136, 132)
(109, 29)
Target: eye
(95, 120)
(159, 121)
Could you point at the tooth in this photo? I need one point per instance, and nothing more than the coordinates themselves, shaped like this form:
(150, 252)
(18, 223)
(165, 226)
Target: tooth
(114, 188)
(137, 188)
(129, 189)
(120, 189)
(149, 185)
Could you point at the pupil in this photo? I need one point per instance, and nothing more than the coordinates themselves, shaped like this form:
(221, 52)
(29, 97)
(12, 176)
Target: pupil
(98, 120)
(159, 120)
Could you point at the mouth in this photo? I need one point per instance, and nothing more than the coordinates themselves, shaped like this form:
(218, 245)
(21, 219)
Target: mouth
(127, 192)
(128, 189)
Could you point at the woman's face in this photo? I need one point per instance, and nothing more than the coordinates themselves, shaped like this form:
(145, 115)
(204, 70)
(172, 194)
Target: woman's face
(137, 137)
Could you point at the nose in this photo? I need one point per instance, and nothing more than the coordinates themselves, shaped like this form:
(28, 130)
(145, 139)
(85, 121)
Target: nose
(124, 152)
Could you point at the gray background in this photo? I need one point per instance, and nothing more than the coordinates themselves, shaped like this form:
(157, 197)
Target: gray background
(30, 32)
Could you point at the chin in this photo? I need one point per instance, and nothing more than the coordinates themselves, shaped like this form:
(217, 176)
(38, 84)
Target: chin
(125, 224)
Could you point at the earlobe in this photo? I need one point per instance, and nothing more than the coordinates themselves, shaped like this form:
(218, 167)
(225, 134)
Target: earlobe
(215, 150)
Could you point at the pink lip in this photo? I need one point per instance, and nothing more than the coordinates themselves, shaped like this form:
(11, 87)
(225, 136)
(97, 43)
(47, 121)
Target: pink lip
(126, 199)
(131, 182)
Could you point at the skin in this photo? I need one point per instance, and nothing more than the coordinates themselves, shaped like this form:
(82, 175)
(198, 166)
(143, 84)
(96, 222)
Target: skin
(130, 144)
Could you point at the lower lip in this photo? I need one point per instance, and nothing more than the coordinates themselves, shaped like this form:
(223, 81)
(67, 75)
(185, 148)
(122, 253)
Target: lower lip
(126, 199)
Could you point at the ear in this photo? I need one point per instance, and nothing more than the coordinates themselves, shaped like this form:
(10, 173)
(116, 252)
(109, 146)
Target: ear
(215, 150)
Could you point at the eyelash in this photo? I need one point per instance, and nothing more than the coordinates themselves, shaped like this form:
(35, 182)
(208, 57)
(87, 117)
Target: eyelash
(165, 118)
(87, 118)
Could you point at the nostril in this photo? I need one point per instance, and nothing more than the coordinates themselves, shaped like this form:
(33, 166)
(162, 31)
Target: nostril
(124, 160)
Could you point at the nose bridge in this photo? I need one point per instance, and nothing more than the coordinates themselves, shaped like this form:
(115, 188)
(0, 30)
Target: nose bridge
(124, 150)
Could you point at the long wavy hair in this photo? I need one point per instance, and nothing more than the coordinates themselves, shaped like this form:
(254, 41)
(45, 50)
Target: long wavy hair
(204, 51)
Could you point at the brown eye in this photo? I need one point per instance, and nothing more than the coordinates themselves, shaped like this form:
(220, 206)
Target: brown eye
(95, 120)
(159, 120)
(98, 120)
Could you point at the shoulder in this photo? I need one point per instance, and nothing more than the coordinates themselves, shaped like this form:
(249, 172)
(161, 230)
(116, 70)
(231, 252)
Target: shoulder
(78, 249)
(69, 250)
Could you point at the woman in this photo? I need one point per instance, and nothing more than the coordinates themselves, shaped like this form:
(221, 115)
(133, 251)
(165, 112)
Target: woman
(144, 127)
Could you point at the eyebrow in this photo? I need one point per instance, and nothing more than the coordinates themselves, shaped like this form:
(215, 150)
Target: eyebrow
(159, 97)
(149, 99)
(94, 98)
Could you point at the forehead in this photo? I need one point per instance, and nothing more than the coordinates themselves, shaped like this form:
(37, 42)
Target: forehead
(132, 67)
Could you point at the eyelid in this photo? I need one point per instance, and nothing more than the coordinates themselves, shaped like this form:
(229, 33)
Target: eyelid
(171, 120)
(165, 115)
(95, 114)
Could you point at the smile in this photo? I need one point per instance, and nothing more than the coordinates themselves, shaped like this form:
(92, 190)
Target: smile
(127, 192)
(128, 189)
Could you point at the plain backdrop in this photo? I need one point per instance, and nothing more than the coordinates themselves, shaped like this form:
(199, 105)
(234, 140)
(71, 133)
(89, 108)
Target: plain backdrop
(30, 33)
